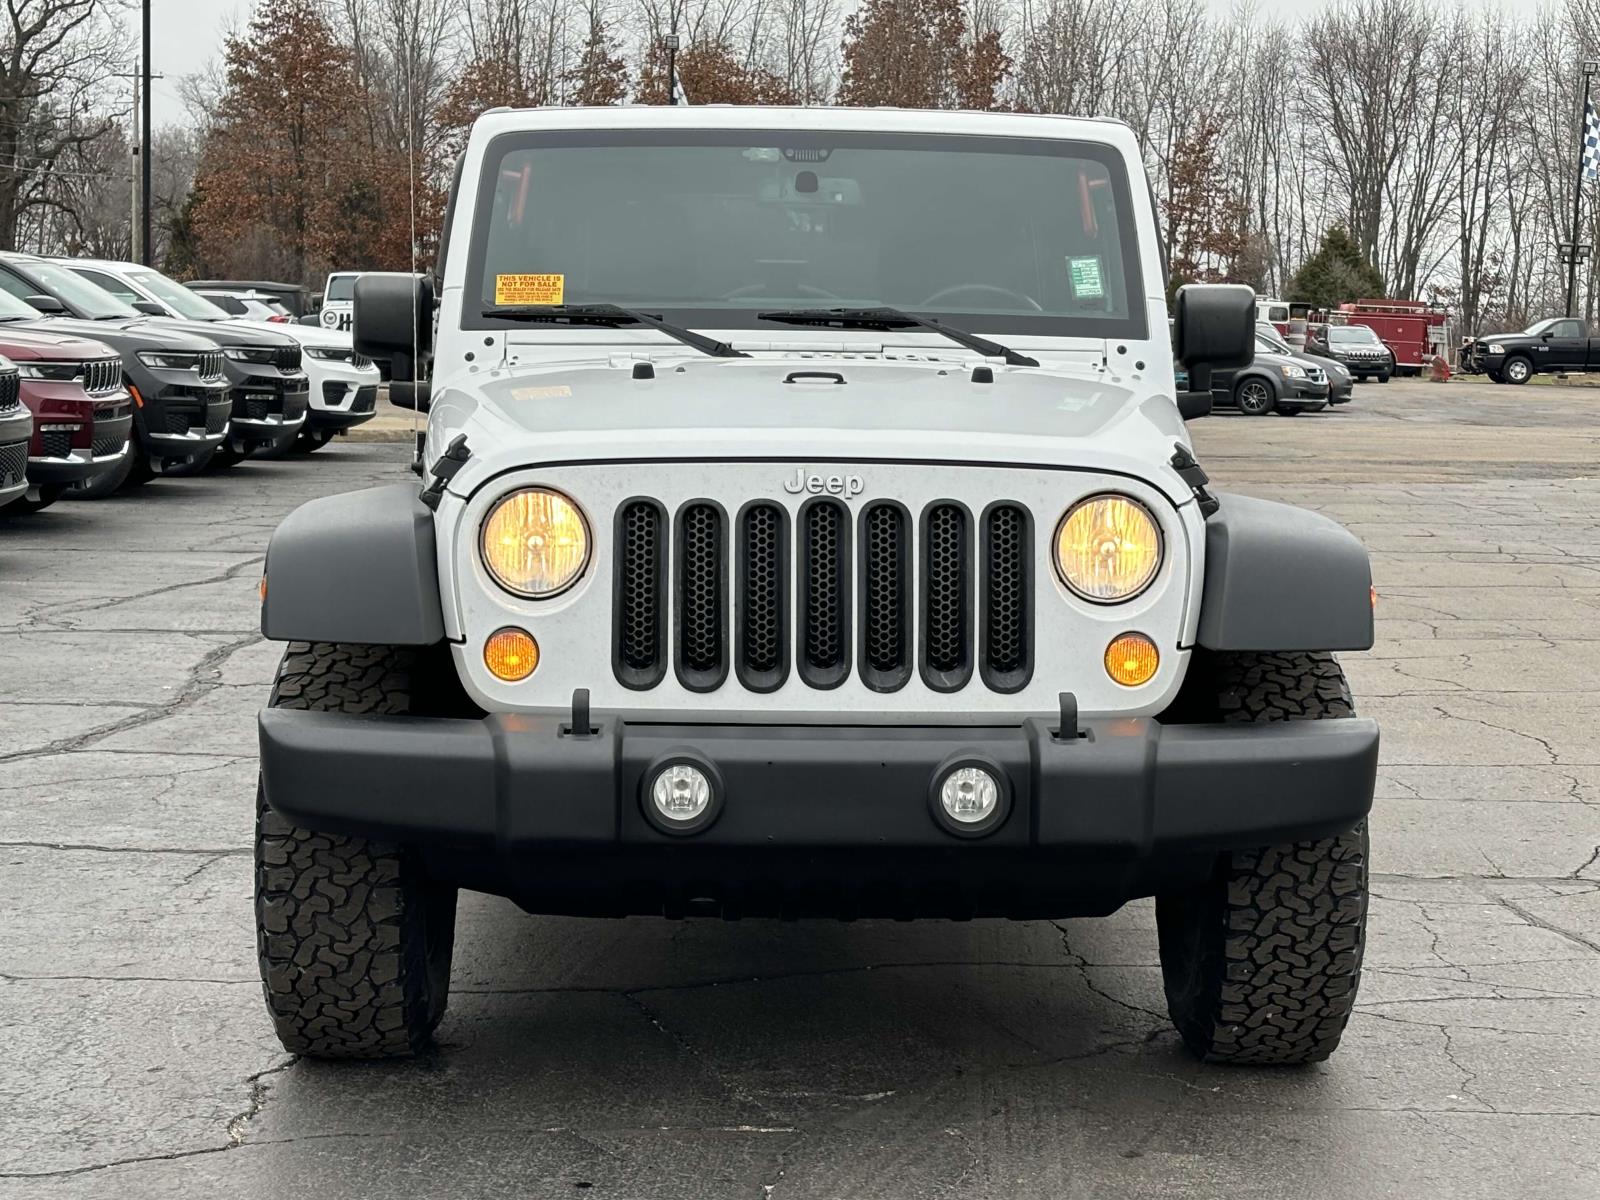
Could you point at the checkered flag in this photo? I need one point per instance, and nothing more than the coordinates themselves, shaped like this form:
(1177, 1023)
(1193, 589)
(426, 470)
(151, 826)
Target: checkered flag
(1591, 142)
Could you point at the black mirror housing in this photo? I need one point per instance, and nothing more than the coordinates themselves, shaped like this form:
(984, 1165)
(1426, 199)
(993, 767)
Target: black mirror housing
(149, 308)
(416, 396)
(1194, 404)
(393, 322)
(47, 304)
(1214, 326)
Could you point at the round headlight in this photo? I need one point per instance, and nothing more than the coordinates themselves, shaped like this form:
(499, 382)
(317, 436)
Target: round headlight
(535, 543)
(1108, 548)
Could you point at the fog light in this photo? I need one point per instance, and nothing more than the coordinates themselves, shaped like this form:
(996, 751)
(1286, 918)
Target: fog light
(511, 654)
(969, 794)
(970, 798)
(1132, 659)
(681, 796)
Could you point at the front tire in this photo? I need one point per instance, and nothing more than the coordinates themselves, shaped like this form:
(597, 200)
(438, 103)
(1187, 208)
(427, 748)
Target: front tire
(1495, 376)
(354, 940)
(27, 506)
(1261, 963)
(1517, 369)
(1254, 397)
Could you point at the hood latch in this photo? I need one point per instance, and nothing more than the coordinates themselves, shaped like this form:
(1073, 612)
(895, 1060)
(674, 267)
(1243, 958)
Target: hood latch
(1194, 475)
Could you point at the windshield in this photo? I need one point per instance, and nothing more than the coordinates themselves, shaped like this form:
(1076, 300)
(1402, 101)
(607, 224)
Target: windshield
(77, 293)
(1351, 334)
(340, 287)
(177, 297)
(1272, 342)
(711, 228)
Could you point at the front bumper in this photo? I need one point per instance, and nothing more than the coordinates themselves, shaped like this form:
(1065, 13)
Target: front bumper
(16, 428)
(1302, 395)
(345, 404)
(268, 410)
(515, 804)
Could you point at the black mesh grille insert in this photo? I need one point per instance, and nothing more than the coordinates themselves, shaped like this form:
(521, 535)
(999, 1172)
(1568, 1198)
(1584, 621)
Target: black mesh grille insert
(762, 662)
(13, 464)
(702, 623)
(56, 443)
(1007, 595)
(885, 607)
(946, 604)
(825, 594)
(216, 418)
(641, 561)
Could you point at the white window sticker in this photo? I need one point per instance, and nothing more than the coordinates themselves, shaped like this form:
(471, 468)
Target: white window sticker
(1084, 274)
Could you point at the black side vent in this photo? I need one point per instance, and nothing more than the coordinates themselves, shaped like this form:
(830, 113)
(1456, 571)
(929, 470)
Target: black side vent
(639, 595)
(946, 596)
(701, 577)
(824, 586)
(1007, 646)
(761, 649)
(885, 597)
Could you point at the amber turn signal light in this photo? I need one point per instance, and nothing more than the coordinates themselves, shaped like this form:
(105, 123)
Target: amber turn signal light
(1132, 659)
(511, 654)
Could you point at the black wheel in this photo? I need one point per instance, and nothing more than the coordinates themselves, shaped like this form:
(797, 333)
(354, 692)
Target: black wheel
(1254, 397)
(194, 466)
(1517, 369)
(1495, 376)
(226, 456)
(27, 506)
(275, 449)
(1384, 377)
(1261, 964)
(354, 940)
(101, 486)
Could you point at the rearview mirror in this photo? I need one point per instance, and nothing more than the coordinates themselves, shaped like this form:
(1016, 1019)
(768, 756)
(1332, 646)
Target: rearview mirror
(46, 304)
(393, 322)
(1214, 328)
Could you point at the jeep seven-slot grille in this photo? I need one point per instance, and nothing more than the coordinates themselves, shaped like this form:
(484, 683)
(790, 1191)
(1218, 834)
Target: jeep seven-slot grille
(102, 375)
(10, 389)
(966, 605)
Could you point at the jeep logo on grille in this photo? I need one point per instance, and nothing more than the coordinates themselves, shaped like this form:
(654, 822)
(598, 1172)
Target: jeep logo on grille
(848, 486)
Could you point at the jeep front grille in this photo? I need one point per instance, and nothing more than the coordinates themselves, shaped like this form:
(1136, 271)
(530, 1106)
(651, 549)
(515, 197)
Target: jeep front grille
(10, 389)
(732, 590)
(102, 375)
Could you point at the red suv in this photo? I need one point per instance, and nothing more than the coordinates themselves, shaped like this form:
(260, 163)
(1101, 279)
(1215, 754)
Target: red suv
(82, 415)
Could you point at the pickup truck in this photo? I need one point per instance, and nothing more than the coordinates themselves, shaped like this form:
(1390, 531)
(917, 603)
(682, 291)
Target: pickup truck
(1561, 344)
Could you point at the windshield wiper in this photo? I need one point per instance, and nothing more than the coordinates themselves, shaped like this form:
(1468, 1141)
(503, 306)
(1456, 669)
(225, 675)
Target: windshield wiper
(894, 318)
(612, 314)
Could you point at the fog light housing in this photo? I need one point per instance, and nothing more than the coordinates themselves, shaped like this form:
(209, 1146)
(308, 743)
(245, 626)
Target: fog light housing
(511, 654)
(970, 797)
(681, 795)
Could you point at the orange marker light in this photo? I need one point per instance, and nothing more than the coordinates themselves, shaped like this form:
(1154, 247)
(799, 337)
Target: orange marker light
(138, 400)
(263, 589)
(511, 654)
(1132, 659)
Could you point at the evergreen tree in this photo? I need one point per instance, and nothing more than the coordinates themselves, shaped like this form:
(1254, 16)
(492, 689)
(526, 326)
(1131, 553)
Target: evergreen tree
(1337, 272)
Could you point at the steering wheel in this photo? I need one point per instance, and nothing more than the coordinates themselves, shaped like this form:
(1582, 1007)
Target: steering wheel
(760, 289)
(987, 289)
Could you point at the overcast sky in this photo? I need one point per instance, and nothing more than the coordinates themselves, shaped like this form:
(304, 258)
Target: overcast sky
(186, 35)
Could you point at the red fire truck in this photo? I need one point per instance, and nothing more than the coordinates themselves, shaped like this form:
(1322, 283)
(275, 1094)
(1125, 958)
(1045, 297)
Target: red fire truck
(1410, 328)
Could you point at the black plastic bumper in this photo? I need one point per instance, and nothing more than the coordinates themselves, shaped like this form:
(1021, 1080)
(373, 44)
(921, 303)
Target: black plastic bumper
(512, 789)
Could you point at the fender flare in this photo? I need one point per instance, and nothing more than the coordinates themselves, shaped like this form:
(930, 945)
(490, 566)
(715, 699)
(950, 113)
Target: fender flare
(357, 567)
(1282, 578)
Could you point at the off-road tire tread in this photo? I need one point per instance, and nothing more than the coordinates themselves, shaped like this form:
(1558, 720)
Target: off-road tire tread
(345, 965)
(1261, 966)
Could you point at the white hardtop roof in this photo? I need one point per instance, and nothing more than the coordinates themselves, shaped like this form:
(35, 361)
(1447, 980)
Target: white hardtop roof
(807, 119)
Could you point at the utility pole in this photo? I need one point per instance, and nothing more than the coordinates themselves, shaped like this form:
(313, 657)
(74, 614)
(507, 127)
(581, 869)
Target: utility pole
(144, 146)
(136, 217)
(672, 65)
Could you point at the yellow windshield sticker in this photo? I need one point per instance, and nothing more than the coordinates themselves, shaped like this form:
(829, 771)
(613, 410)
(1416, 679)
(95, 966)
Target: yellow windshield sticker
(529, 289)
(558, 391)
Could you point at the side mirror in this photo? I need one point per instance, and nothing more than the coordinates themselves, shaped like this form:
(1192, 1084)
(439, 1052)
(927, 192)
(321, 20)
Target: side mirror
(47, 304)
(149, 308)
(316, 302)
(1214, 327)
(416, 396)
(393, 322)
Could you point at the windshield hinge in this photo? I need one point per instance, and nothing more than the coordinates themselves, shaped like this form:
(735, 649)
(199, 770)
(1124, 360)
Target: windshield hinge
(444, 470)
(1191, 472)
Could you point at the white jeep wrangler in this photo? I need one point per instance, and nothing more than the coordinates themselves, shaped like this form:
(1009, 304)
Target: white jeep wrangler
(808, 528)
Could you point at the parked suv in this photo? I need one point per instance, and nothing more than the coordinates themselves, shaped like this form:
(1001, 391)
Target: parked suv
(814, 532)
(180, 393)
(342, 388)
(262, 366)
(1355, 347)
(82, 414)
(337, 296)
(16, 427)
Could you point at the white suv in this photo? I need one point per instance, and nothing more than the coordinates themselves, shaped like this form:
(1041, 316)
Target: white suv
(812, 532)
(343, 384)
(338, 293)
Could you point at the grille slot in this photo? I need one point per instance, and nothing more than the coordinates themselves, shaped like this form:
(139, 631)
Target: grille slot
(824, 594)
(1007, 646)
(761, 651)
(701, 596)
(946, 596)
(639, 647)
(885, 597)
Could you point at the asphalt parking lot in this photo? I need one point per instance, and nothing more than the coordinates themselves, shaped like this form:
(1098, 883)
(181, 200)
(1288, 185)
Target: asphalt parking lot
(708, 1060)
